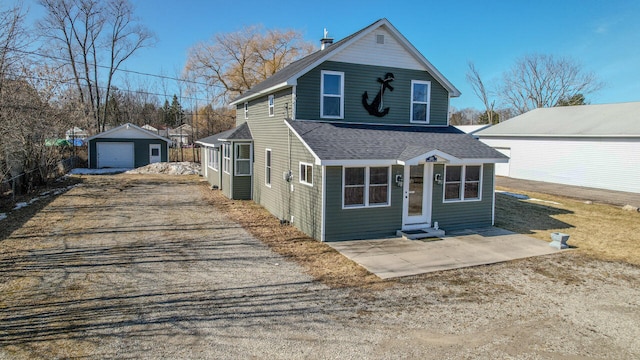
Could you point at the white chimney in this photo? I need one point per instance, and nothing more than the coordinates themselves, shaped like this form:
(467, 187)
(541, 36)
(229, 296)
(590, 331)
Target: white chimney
(325, 41)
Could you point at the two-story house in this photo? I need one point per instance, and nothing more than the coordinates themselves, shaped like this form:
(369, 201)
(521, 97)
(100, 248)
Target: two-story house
(353, 142)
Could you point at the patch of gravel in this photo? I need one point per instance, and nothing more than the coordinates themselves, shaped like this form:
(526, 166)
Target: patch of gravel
(168, 168)
(142, 267)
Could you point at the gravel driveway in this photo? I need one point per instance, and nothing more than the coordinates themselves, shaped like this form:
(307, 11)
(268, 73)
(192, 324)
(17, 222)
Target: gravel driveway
(140, 266)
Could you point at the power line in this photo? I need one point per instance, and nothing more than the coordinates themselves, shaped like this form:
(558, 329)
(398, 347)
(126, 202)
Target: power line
(107, 67)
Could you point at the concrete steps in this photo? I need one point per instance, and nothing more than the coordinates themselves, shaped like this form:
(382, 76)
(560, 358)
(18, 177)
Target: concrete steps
(420, 233)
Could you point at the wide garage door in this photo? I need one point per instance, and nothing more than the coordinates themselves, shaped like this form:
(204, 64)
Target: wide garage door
(115, 154)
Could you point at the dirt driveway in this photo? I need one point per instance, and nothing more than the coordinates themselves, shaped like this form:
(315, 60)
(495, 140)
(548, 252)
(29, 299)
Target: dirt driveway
(134, 266)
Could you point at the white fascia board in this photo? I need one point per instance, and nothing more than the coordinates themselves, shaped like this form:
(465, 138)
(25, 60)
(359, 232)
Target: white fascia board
(440, 154)
(315, 156)
(453, 91)
(478, 161)
(556, 136)
(128, 125)
(356, 162)
(263, 92)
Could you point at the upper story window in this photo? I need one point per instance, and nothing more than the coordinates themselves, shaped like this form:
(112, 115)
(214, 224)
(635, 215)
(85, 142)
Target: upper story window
(420, 95)
(243, 160)
(462, 183)
(246, 110)
(332, 95)
(271, 105)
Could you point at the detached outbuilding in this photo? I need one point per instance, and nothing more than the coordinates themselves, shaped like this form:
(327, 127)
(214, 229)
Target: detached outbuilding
(127, 146)
(594, 146)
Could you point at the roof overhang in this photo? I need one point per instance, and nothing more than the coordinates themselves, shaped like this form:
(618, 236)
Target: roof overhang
(283, 85)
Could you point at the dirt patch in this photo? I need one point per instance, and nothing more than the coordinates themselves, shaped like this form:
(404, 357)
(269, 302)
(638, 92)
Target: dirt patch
(146, 266)
(319, 260)
(598, 230)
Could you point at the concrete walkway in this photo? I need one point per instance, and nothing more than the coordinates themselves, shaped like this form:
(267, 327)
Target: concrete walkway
(396, 257)
(618, 198)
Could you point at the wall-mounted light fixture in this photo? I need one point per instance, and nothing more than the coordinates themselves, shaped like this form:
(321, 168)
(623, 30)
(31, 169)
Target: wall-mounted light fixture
(399, 180)
(438, 178)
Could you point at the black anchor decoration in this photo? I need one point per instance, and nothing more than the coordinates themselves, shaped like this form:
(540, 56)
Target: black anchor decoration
(376, 107)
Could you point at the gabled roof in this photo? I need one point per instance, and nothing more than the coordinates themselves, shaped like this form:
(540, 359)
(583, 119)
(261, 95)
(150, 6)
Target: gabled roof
(289, 75)
(241, 132)
(332, 143)
(605, 120)
(128, 126)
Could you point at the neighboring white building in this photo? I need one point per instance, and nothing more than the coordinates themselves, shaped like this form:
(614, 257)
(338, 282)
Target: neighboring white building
(588, 145)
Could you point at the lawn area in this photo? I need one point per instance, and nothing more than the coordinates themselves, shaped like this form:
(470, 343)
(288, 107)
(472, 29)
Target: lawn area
(601, 231)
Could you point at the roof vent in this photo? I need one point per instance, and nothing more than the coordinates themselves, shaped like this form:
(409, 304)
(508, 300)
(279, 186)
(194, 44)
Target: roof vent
(380, 38)
(325, 41)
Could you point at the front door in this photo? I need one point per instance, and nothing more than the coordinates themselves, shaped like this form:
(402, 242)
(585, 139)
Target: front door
(154, 153)
(417, 196)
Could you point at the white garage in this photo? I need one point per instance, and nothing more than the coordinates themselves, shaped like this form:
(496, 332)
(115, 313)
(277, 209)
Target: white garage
(127, 146)
(115, 154)
(594, 146)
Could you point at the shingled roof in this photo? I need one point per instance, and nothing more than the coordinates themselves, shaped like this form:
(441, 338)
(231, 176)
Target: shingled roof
(341, 142)
(241, 132)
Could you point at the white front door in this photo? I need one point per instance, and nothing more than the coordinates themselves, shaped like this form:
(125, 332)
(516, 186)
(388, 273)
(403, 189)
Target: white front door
(417, 196)
(155, 153)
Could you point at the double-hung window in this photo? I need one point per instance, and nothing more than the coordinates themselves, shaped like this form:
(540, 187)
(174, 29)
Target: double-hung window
(213, 160)
(420, 94)
(271, 105)
(463, 183)
(243, 160)
(226, 158)
(365, 186)
(306, 174)
(267, 167)
(246, 110)
(332, 94)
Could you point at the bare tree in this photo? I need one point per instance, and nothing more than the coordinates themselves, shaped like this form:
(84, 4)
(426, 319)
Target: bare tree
(234, 62)
(537, 81)
(473, 77)
(86, 31)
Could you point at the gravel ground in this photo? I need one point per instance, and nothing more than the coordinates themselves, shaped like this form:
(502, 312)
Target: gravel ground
(140, 266)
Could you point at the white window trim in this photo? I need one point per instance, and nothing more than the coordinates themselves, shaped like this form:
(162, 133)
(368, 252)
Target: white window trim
(366, 188)
(246, 110)
(305, 177)
(226, 158)
(322, 95)
(462, 182)
(268, 166)
(235, 159)
(213, 161)
(272, 105)
(428, 103)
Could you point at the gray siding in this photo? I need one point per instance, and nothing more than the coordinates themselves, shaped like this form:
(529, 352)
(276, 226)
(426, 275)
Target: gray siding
(351, 224)
(304, 202)
(361, 78)
(452, 216)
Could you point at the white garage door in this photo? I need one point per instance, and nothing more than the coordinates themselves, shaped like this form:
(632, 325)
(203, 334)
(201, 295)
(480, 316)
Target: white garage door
(115, 154)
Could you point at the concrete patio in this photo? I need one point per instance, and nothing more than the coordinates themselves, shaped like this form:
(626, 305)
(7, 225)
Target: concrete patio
(397, 257)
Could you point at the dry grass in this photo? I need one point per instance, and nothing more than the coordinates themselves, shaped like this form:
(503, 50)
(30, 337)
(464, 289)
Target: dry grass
(600, 231)
(318, 259)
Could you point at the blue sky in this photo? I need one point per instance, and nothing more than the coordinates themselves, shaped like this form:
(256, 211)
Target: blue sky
(603, 36)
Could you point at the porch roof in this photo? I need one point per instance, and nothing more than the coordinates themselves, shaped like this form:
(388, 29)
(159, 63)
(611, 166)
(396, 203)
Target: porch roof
(364, 142)
(241, 132)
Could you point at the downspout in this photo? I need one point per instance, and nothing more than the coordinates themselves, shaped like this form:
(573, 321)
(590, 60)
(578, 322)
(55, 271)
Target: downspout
(493, 206)
(291, 177)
